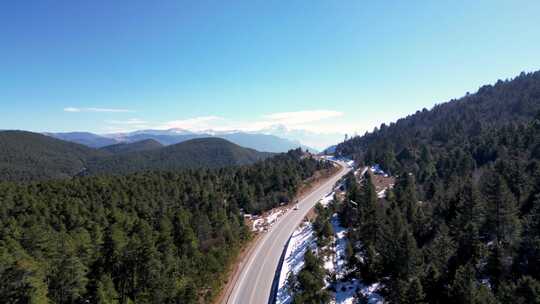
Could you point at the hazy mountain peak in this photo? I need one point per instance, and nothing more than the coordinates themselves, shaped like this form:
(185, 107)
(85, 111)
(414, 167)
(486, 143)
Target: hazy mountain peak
(259, 141)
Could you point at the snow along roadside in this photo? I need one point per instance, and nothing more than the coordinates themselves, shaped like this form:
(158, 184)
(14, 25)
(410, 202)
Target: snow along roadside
(301, 239)
(346, 290)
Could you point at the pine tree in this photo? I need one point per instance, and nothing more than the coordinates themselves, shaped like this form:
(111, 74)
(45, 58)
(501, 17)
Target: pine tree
(408, 259)
(369, 211)
(106, 293)
(390, 246)
(496, 267)
(484, 295)
(311, 281)
(23, 280)
(528, 261)
(407, 197)
(68, 279)
(466, 226)
(415, 292)
(441, 249)
(527, 291)
(464, 286)
(502, 211)
(426, 164)
(433, 285)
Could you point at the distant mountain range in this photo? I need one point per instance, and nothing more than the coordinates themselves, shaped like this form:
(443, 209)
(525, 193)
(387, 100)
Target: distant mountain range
(85, 138)
(257, 141)
(309, 138)
(27, 156)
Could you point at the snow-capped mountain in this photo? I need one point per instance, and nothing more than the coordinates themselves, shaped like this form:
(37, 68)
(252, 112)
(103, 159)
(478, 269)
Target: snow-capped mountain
(309, 138)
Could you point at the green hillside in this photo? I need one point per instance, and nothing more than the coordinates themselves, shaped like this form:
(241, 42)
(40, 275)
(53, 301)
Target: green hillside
(195, 153)
(462, 224)
(30, 156)
(152, 237)
(26, 156)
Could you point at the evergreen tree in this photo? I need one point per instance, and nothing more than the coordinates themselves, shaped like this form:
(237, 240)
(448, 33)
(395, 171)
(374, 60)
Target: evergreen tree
(369, 211)
(502, 211)
(311, 281)
(106, 293)
(441, 250)
(528, 260)
(415, 292)
(152, 237)
(527, 291)
(464, 286)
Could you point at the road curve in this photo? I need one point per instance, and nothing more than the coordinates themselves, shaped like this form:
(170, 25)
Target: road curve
(255, 280)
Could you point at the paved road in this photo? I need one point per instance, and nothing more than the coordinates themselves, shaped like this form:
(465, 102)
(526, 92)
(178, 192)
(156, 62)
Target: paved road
(256, 277)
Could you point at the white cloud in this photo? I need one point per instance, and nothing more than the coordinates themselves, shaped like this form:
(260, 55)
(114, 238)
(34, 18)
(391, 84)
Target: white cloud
(317, 121)
(301, 117)
(196, 124)
(73, 109)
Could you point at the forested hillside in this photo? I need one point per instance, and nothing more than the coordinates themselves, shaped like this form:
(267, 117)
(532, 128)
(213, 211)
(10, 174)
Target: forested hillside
(30, 156)
(462, 222)
(258, 141)
(194, 153)
(27, 156)
(154, 237)
(450, 127)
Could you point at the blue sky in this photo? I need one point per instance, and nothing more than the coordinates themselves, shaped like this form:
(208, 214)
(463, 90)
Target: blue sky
(324, 66)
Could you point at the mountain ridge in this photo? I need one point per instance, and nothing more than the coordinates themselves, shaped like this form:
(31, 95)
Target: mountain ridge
(200, 152)
(28, 156)
(254, 140)
(465, 204)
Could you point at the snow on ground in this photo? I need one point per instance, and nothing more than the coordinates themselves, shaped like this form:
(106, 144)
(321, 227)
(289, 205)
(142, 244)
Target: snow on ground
(301, 239)
(266, 221)
(346, 290)
(329, 264)
(360, 172)
(347, 161)
(327, 199)
(273, 217)
(376, 168)
(341, 245)
(258, 224)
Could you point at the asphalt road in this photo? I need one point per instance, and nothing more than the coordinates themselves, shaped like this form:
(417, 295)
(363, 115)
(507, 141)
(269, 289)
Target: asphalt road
(255, 280)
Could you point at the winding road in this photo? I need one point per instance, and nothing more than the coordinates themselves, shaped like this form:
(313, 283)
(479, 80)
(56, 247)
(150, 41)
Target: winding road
(254, 283)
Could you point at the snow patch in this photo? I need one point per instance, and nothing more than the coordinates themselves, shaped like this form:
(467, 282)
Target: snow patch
(327, 199)
(361, 172)
(347, 291)
(301, 239)
(265, 222)
(376, 169)
(347, 161)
